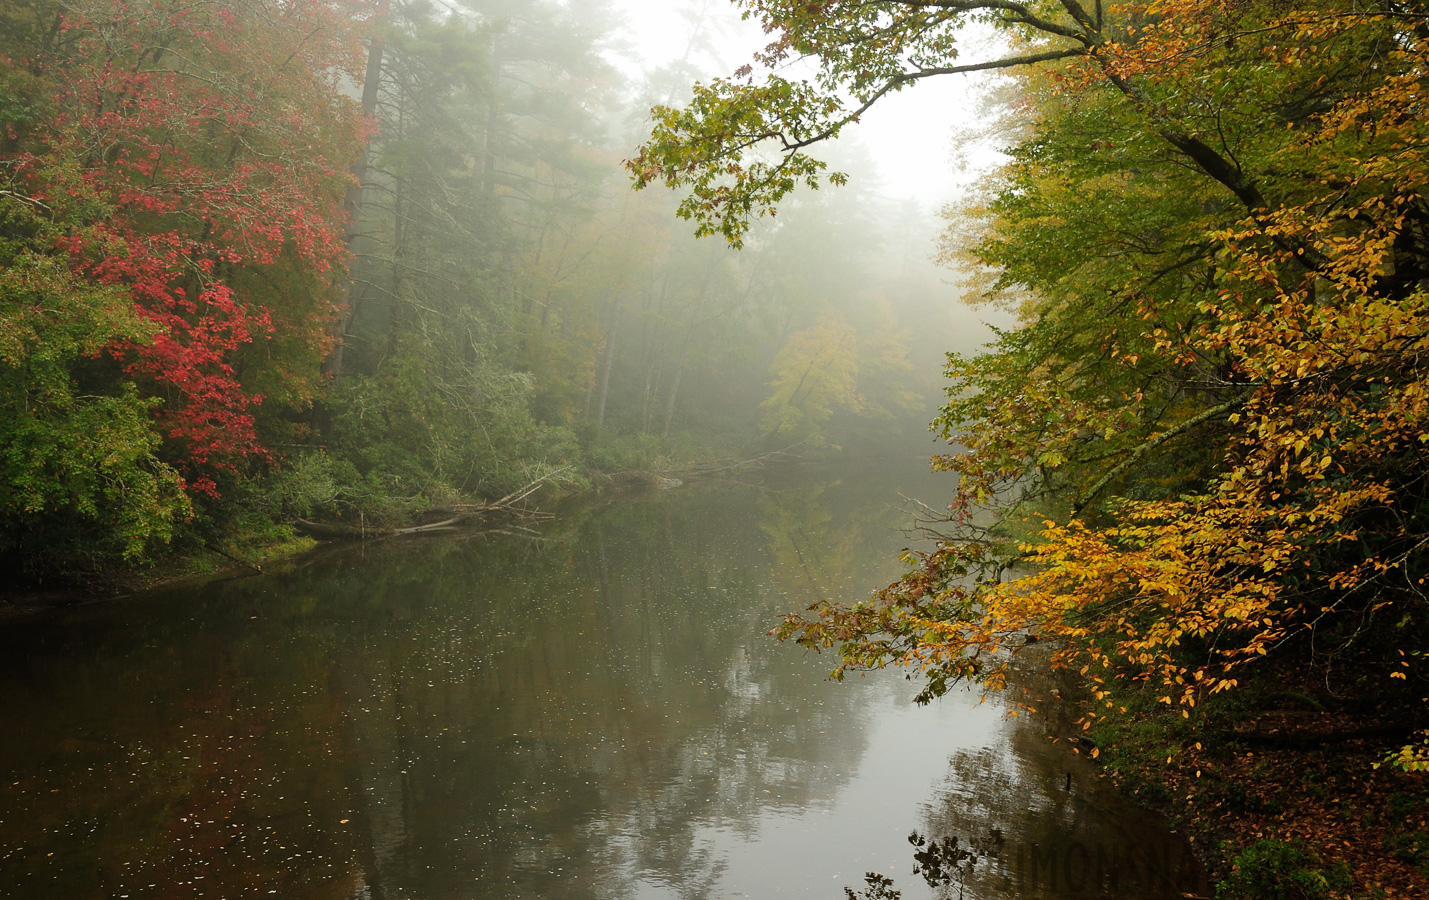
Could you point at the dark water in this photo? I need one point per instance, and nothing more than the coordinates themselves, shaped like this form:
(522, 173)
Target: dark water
(593, 712)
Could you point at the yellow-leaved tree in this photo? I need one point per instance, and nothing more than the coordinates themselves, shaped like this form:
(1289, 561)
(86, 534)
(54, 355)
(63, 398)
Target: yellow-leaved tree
(815, 373)
(1207, 440)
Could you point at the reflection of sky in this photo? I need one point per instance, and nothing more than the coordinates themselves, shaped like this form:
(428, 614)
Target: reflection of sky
(815, 850)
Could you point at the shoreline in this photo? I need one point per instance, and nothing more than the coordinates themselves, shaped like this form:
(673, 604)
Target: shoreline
(22, 604)
(1295, 802)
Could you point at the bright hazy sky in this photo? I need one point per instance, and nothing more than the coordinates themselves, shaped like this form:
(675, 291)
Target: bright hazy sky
(909, 135)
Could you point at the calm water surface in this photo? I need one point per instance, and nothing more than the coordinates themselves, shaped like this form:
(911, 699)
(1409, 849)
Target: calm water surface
(593, 712)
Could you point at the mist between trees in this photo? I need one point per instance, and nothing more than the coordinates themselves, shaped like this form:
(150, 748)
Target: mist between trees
(354, 260)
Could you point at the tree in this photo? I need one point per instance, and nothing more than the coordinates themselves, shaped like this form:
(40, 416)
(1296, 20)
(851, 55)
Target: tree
(209, 136)
(816, 371)
(171, 177)
(1215, 402)
(81, 480)
(468, 326)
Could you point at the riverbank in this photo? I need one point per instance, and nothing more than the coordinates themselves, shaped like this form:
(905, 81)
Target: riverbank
(19, 602)
(1278, 790)
(274, 544)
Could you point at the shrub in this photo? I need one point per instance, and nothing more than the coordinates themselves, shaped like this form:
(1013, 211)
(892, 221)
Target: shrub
(1273, 870)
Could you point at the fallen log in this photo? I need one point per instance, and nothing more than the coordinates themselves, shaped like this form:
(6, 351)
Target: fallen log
(454, 517)
(735, 467)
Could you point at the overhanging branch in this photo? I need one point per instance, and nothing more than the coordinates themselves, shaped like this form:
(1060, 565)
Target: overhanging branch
(900, 80)
(1155, 442)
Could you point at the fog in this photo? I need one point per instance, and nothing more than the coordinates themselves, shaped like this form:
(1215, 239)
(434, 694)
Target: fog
(381, 259)
(827, 330)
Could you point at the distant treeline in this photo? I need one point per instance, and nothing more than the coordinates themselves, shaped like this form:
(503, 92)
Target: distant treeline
(352, 260)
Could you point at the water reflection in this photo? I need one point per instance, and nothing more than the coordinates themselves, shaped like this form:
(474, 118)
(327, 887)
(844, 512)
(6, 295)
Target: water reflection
(594, 713)
(1030, 828)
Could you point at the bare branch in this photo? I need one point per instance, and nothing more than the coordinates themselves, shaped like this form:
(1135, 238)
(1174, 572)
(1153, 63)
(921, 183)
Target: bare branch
(899, 81)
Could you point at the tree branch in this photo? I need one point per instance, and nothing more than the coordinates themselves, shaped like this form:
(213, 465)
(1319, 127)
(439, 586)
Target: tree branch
(898, 81)
(1155, 442)
(1021, 11)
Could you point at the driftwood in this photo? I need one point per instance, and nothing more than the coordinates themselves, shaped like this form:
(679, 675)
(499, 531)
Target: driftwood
(728, 467)
(633, 478)
(225, 554)
(455, 516)
(362, 532)
(326, 530)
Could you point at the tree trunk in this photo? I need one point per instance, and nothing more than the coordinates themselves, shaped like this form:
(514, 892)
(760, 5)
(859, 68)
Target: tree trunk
(674, 392)
(608, 357)
(371, 83)
(695, 310)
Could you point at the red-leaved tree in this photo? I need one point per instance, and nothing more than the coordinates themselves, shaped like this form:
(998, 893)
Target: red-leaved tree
(204, 147)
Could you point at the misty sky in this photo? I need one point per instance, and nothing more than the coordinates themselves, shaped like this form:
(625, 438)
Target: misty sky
(908, 135)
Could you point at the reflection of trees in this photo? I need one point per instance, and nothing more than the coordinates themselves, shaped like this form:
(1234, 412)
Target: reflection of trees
(1065, 831)
(137, 764)
(564, 718)
(633, 710)
(493, 716)
(818, 535)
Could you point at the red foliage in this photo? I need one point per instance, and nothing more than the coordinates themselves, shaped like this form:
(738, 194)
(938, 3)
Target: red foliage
(215, 137)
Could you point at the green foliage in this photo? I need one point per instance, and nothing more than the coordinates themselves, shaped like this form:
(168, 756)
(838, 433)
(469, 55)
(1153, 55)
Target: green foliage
(1272, 870)
(80, 481)
(608, 451)
(740, 145)
(424, 430)
(314, 484)
(741, 116)
(16, 109)
(1412, 757)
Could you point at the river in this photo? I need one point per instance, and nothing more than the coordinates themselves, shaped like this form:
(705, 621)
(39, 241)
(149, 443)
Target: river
(591, 710)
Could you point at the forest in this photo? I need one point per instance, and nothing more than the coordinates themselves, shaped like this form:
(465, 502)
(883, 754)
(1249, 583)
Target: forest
(363, 261)
(355, 261)
(1197, 467)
